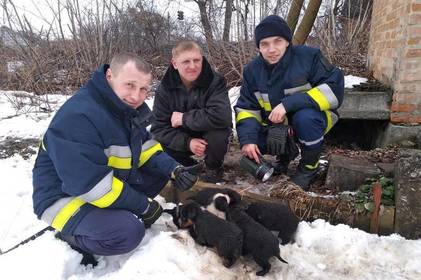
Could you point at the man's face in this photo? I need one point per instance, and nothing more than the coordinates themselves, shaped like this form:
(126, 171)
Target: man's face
(189, 65)
(131, 85)
(273, 48)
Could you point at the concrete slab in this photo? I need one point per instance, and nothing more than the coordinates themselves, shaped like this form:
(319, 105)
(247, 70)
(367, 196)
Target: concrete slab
(403, 135)
(366, 105)
(408, 193)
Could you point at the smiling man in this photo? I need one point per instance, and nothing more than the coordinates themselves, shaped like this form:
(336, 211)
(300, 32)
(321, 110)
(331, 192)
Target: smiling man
(192, 111)
(98, 169)
(285, 82)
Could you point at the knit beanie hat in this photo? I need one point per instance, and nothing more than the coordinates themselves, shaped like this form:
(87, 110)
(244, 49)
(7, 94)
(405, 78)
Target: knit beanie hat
(272, 26)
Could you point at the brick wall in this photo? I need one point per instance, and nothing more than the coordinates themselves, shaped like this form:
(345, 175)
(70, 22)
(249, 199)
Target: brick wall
(395, 55)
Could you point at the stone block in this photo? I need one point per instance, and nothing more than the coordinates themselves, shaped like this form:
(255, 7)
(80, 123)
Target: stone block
(408, 193)
(365, 105)
(348, 174)
(407, 136)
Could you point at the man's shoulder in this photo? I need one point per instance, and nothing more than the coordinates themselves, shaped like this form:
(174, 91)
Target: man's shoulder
(305, 51)
(253, 65)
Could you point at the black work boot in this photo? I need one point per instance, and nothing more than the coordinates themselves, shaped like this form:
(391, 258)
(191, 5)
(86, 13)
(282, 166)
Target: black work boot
(87, 258)
(307, 168)
(304, 176)
(213, 176)
(280, 166)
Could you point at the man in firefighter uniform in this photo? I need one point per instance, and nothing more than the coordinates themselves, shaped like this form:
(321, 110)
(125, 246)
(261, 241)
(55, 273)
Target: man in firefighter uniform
(98, 169)
(285, 82)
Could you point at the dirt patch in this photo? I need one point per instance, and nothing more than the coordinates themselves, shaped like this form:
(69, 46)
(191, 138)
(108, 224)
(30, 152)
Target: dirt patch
(236, 176)
(13, 145)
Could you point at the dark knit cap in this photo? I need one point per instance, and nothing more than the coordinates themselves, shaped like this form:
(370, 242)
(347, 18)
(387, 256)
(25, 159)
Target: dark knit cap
(272, 26)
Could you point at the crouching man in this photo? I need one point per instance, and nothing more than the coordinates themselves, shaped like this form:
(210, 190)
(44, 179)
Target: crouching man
(98, 169)
(192, 111)
(296, 83)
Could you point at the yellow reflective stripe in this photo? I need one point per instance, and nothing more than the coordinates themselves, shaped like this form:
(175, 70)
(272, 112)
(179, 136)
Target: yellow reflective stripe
(320, 98)
(265, 105)
(309, 166)
(111, 196)
(66, 213)
(120, 163)
(148, 153)
(329, 121)
(244, 115)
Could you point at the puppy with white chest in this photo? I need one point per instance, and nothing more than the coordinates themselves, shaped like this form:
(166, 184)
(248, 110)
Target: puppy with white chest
(258, 241)
(216, 200)
(276, 217)
(209, 230)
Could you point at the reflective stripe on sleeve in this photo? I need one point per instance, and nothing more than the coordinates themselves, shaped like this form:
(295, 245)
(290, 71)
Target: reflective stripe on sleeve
(119, 156)
(263, 99)
(244, 114)
(324, 97)
(149, 148)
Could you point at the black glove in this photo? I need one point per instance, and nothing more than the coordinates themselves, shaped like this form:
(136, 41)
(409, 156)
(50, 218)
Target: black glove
(152, 214)
(186, 177)
(277, 139)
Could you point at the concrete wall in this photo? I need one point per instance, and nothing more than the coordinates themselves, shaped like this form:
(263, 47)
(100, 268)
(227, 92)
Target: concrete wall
(395, 55)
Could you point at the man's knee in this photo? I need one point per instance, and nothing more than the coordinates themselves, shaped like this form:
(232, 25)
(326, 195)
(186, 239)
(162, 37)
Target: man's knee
(308, 119)
(217, 137)
(130, 235)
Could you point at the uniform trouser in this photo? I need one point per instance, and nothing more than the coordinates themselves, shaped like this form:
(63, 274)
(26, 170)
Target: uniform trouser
(106, 232)
(215, 151)
(309, 126)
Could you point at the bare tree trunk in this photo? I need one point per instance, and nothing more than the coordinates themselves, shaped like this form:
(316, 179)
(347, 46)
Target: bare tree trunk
(307, 22)
(294, 14)
(207, 29)
(227, 23)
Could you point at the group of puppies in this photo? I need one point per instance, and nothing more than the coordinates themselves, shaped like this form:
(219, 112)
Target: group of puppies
(218, 218)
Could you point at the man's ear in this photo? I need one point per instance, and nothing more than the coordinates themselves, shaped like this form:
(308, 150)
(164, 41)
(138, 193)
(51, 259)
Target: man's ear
(108, 74)
(174, 64)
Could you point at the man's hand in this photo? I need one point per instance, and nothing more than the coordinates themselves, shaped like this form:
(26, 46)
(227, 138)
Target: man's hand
(277, 139)
(198, 146)
(152, 213)
(176, 119)
(278, 114)
(186, 177)
(251, 151)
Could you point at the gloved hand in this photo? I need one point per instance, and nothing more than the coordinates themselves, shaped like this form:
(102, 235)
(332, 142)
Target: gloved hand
(276, 139)
(152, 213)
(185, 177)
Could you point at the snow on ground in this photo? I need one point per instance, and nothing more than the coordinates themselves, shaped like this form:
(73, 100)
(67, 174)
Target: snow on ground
(321, 251)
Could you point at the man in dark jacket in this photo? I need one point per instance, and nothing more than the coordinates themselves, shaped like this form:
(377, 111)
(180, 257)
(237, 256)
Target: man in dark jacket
(98, 169)
(285, 82)
(192, 111)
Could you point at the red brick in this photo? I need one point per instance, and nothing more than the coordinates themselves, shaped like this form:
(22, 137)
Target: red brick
(413, 53)
(405, 118)
(415, 7)
(414, 41)
(401, 107)
(414, 19)
(414, 30)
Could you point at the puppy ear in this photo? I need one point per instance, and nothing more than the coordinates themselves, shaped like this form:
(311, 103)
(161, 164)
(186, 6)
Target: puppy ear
(193, 211)
(234, 196)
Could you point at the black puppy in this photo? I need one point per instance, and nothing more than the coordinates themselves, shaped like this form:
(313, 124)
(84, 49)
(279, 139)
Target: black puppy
(258, 240)
(216, 200)
(275, 216)
(209, 230)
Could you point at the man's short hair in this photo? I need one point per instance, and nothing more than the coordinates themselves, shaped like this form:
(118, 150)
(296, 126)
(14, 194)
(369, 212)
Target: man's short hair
(121, 59)
(186, 45)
